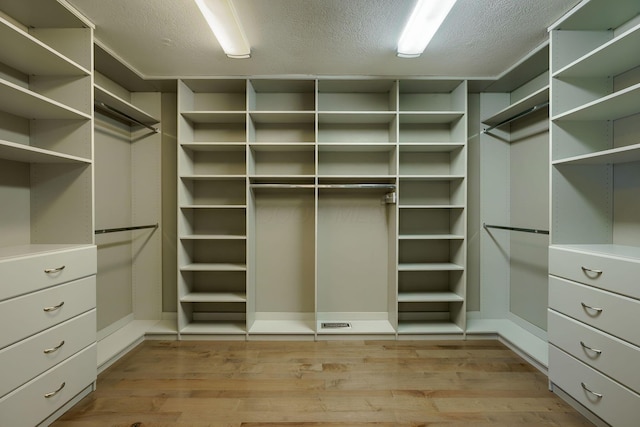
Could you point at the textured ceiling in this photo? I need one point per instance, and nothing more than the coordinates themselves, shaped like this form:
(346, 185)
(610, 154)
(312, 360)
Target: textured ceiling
(169, 38)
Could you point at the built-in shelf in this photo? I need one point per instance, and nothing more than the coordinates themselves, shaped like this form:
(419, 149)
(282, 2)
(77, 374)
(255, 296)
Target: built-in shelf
(430, 327)
(442, 266)
(429, 297)
(611, 107)
(626, 154)
(431, 237)
(213, 328)
(214, 267)
(215, 116)
(213, 297)
(113, 101)
(536, 98)
(28, 154)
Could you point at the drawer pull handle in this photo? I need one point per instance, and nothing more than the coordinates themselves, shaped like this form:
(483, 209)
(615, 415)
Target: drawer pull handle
(588, 307)
(590, 348)
(596, 273)
(53, 393)
(585, 388)
(54, 270)
(54, 307)
(53, 349)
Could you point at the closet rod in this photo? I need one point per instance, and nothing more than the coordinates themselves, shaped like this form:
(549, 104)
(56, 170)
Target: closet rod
(517, 116)
(115, 230)
(525, 230)
(105, 107)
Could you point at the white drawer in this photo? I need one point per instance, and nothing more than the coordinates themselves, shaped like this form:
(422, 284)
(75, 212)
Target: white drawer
(617, 405)
(26, 315)
(21, 275)
(618, 275)
(29, 358)
(605, 353)
(28, 405)
(611, 313)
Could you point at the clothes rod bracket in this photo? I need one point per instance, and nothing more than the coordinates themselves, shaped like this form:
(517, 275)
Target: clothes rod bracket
(517, 116)
(525, 230)
(115, 230)
(104, 107)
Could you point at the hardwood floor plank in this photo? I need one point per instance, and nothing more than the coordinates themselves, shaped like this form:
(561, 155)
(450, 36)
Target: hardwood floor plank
(326, 383)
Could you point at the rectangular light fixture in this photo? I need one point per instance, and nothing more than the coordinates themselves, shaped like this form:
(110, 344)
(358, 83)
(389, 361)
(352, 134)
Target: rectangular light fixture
(223, 19)
(426, 18)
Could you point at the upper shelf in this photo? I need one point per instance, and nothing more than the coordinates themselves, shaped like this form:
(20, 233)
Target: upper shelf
(598, 15)
(515, 109)
(27, 154)
(22, 102)
(35, 57)
(611, 107)
(104, 96)
(610, 59)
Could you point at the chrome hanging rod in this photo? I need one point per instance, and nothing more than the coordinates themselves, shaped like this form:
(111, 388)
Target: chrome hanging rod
(525, 230)
(105, 107)
(517, 116)
(347, 186)
(115, 230)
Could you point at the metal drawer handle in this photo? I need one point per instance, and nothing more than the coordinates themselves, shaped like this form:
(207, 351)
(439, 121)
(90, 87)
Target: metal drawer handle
(53, 393)
(54, 270)
(585, 388)
(53, 349)
(590, 348)
(53, 308)
(596, 273)
(598, 309)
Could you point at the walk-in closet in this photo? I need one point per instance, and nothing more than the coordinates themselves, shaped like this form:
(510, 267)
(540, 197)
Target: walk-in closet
(311, 221)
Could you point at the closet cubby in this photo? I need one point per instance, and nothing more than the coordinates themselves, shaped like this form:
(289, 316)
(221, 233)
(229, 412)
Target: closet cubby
(338, 175)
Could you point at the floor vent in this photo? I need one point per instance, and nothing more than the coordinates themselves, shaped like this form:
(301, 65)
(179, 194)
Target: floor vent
(335, 325)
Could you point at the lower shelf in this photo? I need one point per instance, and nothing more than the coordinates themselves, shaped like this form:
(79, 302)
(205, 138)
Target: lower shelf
(429, 328)
(214, 328)
(282, 327)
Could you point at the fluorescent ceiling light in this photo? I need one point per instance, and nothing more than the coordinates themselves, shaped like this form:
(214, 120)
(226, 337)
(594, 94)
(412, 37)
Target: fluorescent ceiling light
(223, 20)
(426, 18)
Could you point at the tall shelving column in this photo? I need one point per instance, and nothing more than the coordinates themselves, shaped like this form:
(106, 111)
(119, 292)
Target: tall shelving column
(594, 258)
(212, 211)
(432, 207)
(281, 206)
(356, 247)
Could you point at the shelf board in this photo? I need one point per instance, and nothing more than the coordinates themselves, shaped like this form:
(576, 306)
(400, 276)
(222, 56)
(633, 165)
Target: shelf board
(356, 117)
(275, 117)
(536, 98)
(414, 177)
(429, 297)
(626, 154)
(431, 237)
(429, 328)
(282, 146)
(212, 237)
(214, 267)
(213, 207)
(36, 249)
(364, 327)
(282, 327)
(214, 328)
(215, 116)
(598, 16)
(401, 206)
(353, 179)
(214, 146)
(432, 117)
(631, 252)
(30, 105)
(114, 101)
(356, 147)
(214, 297)
(612, 107)
(431, 266)
(436, 147)
(34, 57)
(610, 59)
(28, 154)
(214, 177)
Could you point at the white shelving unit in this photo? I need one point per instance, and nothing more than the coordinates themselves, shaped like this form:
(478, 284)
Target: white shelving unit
(46, 217)
(595, 179)
(301, 178)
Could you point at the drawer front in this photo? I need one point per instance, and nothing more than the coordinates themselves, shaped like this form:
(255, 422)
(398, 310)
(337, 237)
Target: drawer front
(28, 405)
(40, 310)
(614, 314)
(615, 274)
(31, 273)
(614, 403)
(29, 358)
(605, 353)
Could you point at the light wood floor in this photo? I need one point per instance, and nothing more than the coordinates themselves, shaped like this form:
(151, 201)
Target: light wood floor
(341, 383)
